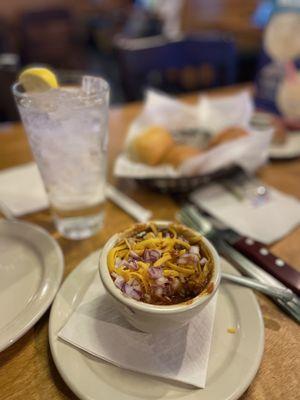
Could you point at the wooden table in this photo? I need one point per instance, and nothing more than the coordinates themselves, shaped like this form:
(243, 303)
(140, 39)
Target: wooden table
(27, 370)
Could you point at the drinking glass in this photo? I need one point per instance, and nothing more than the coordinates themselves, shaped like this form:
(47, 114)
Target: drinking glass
(67, 130)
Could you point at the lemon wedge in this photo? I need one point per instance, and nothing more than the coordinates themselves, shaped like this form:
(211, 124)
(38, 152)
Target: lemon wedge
(37, 79)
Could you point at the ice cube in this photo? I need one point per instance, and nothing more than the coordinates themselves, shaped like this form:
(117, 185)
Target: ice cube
(46, 102)
(93, 85)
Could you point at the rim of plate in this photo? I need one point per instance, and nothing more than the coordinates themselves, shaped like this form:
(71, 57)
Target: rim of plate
(75, 386)
(287, 151)
(51, 291)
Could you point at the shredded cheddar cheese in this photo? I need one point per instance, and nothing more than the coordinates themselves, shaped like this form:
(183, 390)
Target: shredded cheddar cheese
(160, 265)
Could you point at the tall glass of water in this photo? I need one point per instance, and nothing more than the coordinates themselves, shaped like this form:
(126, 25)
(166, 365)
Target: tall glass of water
(67, 128)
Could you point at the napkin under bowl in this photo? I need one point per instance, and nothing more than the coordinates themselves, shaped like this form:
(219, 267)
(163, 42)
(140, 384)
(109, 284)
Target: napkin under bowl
(97, 328)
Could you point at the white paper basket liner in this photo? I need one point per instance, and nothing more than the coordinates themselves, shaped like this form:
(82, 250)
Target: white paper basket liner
(249, 152)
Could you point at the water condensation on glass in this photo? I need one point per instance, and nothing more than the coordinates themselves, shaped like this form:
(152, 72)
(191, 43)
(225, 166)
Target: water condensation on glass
(67, 130)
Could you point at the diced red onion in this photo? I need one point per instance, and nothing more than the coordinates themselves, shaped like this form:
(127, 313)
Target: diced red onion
(183, 259)
(203, 261)
(155, 272)
(131, 264)
(135, 284)
(118, 262)
(188, 258)
(194, 250)
(151, 255)
(131, 292)
(185, 255)
(134, 255)
(175, 283)
(125, 263)
(162, 280)
(119, 282)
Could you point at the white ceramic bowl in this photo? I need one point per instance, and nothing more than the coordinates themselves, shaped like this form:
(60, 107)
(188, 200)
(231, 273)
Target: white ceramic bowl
(157, 318)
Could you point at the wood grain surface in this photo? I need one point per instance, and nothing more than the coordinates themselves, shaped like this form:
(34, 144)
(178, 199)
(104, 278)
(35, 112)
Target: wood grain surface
(27, 370)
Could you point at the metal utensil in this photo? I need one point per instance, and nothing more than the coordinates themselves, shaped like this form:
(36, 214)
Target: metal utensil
(258, 254)
(283, 294)
(191, 217)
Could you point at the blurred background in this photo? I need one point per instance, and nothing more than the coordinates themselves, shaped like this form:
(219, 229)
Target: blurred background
(177, 46)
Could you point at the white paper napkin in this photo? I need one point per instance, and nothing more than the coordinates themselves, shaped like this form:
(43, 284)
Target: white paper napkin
(22, 190)
(266, 223)
(219, 113)
(97, 328)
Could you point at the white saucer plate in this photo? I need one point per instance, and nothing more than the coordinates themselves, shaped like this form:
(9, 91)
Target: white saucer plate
(31, 270)
(288, 150)
(234, 358)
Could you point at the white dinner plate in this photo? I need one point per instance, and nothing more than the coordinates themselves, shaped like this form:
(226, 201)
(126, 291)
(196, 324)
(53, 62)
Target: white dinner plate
(288, 150)
(31, 270)
(234, 358)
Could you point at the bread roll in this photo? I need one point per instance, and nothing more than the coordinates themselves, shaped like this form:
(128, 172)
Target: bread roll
(151, 145)
(180, 153)
(226, 135)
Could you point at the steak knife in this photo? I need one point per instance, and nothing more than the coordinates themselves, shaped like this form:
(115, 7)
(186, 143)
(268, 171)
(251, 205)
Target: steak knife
(260, 255)
(191, 217)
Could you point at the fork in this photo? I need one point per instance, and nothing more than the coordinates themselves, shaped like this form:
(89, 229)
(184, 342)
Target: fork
(190, 216)
(284, 294)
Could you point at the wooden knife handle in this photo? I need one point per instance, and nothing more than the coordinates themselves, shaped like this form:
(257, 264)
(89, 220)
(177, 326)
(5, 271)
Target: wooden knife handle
(275, 266)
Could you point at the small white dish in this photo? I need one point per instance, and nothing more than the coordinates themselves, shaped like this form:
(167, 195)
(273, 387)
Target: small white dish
(31, 270)
(234, 358)
(288, 150)
(157, 318)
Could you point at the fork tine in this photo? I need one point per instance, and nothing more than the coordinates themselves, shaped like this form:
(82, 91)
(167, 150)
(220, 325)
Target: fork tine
(203, 223)
(186, 219)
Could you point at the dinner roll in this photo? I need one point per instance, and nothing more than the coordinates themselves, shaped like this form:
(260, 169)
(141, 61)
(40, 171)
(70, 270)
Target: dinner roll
(226, 135)
(180, 153)
(151, 145)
